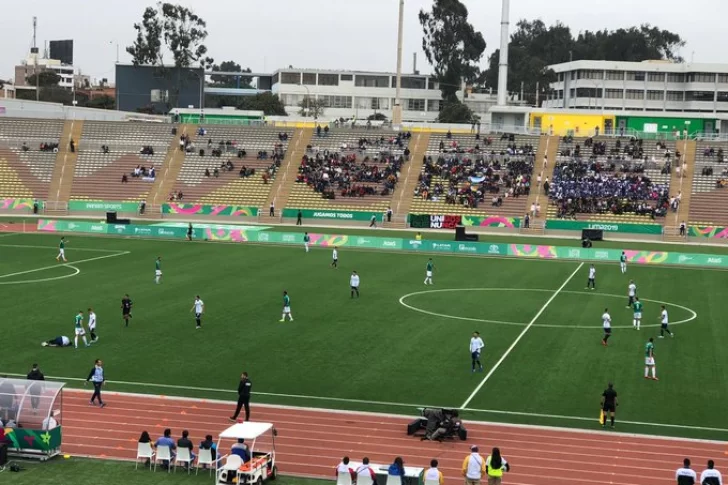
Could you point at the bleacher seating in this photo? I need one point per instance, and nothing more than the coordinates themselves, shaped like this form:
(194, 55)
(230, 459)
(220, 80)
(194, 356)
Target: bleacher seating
(609, 179)
(108, 151)
(465, 175)
(25, 169)
(710, 184)
(350, 170)
(242, 147)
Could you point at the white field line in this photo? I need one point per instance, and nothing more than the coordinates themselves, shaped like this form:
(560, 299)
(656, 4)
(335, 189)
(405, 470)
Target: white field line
(44, 268)
(27, 246)
(520, 336)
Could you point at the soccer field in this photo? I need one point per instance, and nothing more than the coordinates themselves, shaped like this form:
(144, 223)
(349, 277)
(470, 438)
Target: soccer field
(402, 344)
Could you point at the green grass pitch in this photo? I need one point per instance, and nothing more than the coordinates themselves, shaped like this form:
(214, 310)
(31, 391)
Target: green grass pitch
(400, 345)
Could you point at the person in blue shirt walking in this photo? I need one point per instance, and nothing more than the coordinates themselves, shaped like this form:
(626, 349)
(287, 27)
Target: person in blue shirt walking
(96, 376)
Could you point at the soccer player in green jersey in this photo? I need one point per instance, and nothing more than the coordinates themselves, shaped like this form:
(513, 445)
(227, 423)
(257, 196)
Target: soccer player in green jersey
(650, 360)
(428, 272)
(286, 307)
(306, 241)
(623, 262)
(158, 270)
(637, 307)
(62, 250)
(79, 330)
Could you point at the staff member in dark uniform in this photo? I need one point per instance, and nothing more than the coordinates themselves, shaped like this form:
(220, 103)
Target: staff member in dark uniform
(189, 232)
(609, 404)
(35, 375)
(243, 397)
(96, 376)
(126, 305)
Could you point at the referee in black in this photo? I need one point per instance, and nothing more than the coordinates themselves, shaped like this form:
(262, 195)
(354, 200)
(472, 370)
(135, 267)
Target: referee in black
(609, 404)
(243, 397)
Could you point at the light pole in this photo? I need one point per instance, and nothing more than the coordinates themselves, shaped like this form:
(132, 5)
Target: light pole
(397, 112)
(308, 102)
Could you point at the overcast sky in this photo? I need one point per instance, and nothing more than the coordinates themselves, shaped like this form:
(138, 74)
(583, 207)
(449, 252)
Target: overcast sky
(334, 34)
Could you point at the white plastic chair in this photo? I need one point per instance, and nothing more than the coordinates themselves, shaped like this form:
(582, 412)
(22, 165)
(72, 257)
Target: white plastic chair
(432, 482)
(364, 480)
(144, 452)
(343, 478)
(394, 480)
(204, 458)
(183, 457)
(232, 465)
(163, 454)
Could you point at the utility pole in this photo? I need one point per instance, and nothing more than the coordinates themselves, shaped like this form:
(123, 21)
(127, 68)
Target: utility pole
(397, 112)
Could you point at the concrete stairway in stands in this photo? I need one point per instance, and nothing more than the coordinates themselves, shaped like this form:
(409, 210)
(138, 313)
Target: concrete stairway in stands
(164, 182)
(681, 182)
(404, 192)
(548, 146)
(62, 181)
(286, 176)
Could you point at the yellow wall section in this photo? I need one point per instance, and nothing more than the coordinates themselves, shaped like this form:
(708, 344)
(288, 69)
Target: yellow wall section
(562, 124)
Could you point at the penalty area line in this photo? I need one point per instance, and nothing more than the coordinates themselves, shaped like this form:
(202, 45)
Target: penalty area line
(520, 336)
(45, 268)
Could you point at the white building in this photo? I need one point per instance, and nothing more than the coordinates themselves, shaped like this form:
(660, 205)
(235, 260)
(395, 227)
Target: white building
(34, 61)
(359, 94)
(658, 86)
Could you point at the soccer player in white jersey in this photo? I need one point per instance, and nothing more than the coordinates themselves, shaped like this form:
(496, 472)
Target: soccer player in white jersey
(92, 325)
(199, 308)
(354, 283)
(335, 258)
(591, 282)
(607, 326)
(663, 323)
(476, 346)
(631, 293)
(623, 262)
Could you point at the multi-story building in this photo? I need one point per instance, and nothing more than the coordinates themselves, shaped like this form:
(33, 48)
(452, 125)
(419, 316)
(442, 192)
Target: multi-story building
(640, 86)
(359, 94)
(36, 63)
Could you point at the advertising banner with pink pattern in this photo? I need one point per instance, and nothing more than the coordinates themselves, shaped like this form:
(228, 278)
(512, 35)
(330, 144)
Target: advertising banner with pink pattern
(24, 205)
(209, 210)
(714, 232)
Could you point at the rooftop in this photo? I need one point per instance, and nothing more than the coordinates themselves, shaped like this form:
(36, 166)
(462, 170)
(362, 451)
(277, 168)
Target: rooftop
(646, 66)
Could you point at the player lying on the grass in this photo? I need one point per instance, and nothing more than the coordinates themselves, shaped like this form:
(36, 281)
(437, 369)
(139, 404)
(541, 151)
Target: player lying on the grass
(60, 341)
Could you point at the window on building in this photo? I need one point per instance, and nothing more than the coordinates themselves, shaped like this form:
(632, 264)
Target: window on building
(369, 81)
(290, 78)
(309, 78)
(588, 93)
(409, 82)
(414, 104)
(674, 96)
(613, 93)
(336, 101)
(635, 94)
(276, 78)
(433, 105)
(699, 96)
(723, 78)
(635, 76)
(590, 74)
(347, 77)
(432, 83)
(572, 92)
(722, 96)
(701, 77)
(655, 95)
(561, 93)
(572, 75)
(676, 78)
(291, 99)
(328, 79)
(561, 77)
(656, 77)
(615, 75)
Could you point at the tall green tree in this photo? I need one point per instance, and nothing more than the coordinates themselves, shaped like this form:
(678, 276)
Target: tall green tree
(268, 103)
(534, 46)
(147, 47)
(44, 79)
(311, 107)
(228, 81)
(452, 46)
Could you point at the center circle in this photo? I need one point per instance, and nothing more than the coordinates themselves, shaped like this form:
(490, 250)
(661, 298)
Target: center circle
(75, 270)
(404, 298)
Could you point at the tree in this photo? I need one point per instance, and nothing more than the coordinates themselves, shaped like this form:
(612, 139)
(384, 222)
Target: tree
(175, 27)
(312, 107)
(452, 46)
(455, 112)
(226, 81)
(268, 103)
(101, 102)
(377, 117)
(44, 79)
(534, 46)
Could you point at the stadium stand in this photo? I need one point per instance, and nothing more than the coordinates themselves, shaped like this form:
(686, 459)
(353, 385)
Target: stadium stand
(622, 180)
(231, 165)
(710, 184)
(465, 175)
(28, 150)
(350, 170)
(119, 160)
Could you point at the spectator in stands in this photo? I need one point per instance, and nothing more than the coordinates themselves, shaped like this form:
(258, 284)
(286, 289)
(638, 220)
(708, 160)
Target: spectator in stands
(215, 172)
(526, 221)
(166, 440)
(124, 179)
(389, 214)
(272, 209)
(396, 469)
(344, 468)
(241, 449)
(25, 147)
(364, 470)
(432, 474)
(184, 442)
(686, 475)
(710, 475)
(473, 467)
(145, 438)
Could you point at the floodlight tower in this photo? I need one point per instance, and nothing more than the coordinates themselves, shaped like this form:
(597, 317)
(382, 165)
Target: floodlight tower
(397, 111)
(503, 58)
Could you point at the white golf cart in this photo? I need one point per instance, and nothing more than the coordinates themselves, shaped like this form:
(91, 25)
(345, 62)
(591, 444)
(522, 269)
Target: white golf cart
(259, 439)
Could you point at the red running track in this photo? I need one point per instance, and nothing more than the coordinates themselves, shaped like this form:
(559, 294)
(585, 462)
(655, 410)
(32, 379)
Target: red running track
(311, 442)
